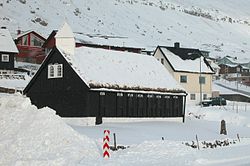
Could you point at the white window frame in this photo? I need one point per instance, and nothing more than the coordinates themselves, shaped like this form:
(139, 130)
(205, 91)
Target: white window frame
(140, 95)
(5, 57)
(54, 71)
(130, 95)
(102, 94)
(158, 96)
(119, 94)
(150, 96)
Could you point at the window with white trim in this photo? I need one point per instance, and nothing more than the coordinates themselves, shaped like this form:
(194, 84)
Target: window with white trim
(130, 95)
(35, 41)
(5, 58)
(102, 93)
(140, 95)
(119, 94)
(55, 71)
(150, 96)
(158, 96)
(59, 70)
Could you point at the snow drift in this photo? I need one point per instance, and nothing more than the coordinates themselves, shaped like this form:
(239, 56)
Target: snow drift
(39, 137)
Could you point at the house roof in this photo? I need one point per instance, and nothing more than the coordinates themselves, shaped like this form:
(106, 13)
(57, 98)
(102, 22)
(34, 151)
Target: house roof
(100, 68)
(212, 64)
(235, 65)
(6, 42)
(185, 60)
(229, 65)
(27, 32)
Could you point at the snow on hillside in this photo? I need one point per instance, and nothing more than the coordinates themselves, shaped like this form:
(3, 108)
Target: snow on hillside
(38, 137)
(217, 26)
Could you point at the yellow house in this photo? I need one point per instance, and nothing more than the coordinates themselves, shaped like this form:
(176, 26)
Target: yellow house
(189, 68)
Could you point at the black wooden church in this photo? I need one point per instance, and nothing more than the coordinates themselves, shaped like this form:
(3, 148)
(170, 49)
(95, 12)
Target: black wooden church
(90, 82)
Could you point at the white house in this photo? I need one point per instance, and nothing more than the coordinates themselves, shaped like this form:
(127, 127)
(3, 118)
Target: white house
(189, 68)
(8, 50)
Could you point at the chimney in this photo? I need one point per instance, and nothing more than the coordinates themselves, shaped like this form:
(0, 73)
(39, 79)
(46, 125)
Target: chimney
(177, 45)
(18, 32)
(65, 39)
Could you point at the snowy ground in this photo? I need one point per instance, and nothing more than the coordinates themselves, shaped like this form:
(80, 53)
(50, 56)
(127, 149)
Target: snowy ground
(230, 87)
(233, 85)
(16, 82)
(39, 137)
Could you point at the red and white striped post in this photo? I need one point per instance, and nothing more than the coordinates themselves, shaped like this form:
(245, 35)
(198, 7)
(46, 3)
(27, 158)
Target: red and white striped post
(105, 147)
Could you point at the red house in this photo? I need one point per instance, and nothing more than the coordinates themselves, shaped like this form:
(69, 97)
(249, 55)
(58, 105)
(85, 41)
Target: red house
(29, 44)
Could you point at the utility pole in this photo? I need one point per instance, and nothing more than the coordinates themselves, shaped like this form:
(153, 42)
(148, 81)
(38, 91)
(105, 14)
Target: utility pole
(200, 84)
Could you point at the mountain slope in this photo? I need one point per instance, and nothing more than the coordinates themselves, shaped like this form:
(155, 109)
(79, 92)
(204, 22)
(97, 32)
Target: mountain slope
(216, 26)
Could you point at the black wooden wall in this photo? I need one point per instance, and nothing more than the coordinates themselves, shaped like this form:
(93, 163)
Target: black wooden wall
(7, 65)
(66, 95)
(134, 105)
(71, 97)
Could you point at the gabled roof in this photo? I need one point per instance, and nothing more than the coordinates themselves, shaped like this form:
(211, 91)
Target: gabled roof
(100, 68)
(236, 60)
(185, 60)
(27, 32)
(52, 35)
(6, 42)
(235, 65)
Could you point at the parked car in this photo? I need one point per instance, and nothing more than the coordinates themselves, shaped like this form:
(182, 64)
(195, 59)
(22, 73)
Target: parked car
(214, 101)
(206, 103)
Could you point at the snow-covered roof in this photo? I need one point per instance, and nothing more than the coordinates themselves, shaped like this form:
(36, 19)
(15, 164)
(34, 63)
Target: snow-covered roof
(6, 42)
(236, 60)
(27, 32)
(100, 68)
(231, 65)
(23, 34)
(213, 65)
(187, 65)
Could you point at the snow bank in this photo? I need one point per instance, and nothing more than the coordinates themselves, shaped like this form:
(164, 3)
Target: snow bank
(228, 113)
(39, 137)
